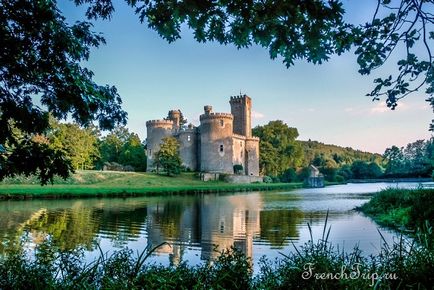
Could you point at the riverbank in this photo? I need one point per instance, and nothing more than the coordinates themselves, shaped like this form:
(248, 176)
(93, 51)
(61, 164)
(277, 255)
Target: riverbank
(374, 180)
(403, 209)
(316, 265)
(123, 184)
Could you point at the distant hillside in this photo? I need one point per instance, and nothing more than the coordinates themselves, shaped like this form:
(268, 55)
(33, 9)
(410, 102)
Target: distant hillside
(316, 153)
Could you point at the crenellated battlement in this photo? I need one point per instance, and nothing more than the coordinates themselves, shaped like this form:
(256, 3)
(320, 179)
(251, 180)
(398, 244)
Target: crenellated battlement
(238, 99)
(216, 116)
(253, 138)
(161, 122)
(238, 136)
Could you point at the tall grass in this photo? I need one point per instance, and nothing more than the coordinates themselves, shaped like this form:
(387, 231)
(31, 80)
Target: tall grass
(401, 265)
(410, 210)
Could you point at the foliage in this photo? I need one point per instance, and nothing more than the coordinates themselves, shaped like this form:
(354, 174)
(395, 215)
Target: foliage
(310, 30)
(290, 175)
(238, 168)
(411, 264)
(123, 147)
(363, 170)
(79, 144)
(416, 159)
(405, 27)
(278, 148)
(182, 120)
(408, 208)
(41, 57)
(168, 157)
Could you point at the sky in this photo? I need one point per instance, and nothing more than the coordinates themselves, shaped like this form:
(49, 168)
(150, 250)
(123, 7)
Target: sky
(326, 102)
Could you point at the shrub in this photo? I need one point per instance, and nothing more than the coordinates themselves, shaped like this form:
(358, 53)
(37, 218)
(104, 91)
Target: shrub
(238, 168)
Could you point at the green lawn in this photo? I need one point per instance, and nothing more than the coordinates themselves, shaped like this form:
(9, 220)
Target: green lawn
(105, 183)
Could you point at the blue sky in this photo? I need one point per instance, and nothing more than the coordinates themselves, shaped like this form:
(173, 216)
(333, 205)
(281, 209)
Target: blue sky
(324, 102)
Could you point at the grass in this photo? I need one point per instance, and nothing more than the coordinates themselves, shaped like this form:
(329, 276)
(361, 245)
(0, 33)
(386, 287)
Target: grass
(315, 265)
(406, 209)
(104, 183)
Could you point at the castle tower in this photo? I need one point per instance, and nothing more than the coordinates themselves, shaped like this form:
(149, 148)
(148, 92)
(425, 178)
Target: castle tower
(216, 131)
(156, 131)
(175, 116)
(241, 109)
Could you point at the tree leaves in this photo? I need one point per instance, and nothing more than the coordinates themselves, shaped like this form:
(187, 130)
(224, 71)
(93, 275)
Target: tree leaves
(41, 58)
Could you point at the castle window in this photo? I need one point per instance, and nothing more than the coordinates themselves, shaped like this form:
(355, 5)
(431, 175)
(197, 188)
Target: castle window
(221, 122)
(221, 148)
(241, 154)
(188, 138)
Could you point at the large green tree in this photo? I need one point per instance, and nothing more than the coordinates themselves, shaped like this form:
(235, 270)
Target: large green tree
(168, 157)
(80, 145)
(41, 71)
(278, 148)
(123, 147)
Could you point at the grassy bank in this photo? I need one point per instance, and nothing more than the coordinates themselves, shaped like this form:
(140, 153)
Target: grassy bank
(316, 265)
(101, 184)
(405, 209)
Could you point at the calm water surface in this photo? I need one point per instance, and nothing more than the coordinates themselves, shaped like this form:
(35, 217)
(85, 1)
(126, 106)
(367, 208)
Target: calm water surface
(258, 223)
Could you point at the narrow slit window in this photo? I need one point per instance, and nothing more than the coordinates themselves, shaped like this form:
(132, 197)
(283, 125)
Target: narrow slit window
(221, 122)
(221, 148)
(188, 138)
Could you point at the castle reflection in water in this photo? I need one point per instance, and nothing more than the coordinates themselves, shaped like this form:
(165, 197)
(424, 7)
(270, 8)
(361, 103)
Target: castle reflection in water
(214, 224)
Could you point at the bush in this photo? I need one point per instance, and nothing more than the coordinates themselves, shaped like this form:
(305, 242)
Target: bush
(339, 178)
(238, 168)
(267, 179)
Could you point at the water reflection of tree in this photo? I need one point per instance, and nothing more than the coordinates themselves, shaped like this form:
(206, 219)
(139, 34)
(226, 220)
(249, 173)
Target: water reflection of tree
(69, 225)
(67, 229)
(278, 225)
(168, 217)
(122, 225)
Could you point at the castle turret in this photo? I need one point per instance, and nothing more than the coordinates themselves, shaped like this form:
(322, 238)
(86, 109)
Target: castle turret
(216, 131)
(156, 131)
(175, 116)
(241, 109)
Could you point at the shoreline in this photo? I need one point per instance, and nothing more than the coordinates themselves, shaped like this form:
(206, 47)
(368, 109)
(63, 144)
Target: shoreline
(59, 192)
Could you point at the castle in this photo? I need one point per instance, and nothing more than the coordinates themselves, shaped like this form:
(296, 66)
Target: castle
(221, 141)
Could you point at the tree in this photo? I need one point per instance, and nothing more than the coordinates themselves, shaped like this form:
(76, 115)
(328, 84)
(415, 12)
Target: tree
(123, 147)
(133, 153)
(168, 156)
(312, 30)
(80, 145)
(40, 58)
(277, 147)
(182, 120)
(395, 160)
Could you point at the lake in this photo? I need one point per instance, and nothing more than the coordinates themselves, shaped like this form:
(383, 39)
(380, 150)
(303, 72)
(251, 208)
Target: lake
(196, 227)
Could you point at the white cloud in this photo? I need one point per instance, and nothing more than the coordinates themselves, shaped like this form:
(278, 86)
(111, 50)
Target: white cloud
(257, 115)
(381, 107)
(348, 110)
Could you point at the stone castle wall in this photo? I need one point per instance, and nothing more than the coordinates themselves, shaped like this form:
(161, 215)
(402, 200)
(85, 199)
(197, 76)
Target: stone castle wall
(216, 142)
(188, 141)
(156, 131)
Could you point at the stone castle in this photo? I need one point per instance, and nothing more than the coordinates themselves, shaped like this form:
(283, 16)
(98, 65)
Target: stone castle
(221, 141)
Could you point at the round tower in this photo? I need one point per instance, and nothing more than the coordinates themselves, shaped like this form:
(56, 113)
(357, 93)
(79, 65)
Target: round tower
(175, 116)
(216, 131)
(156, 131)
